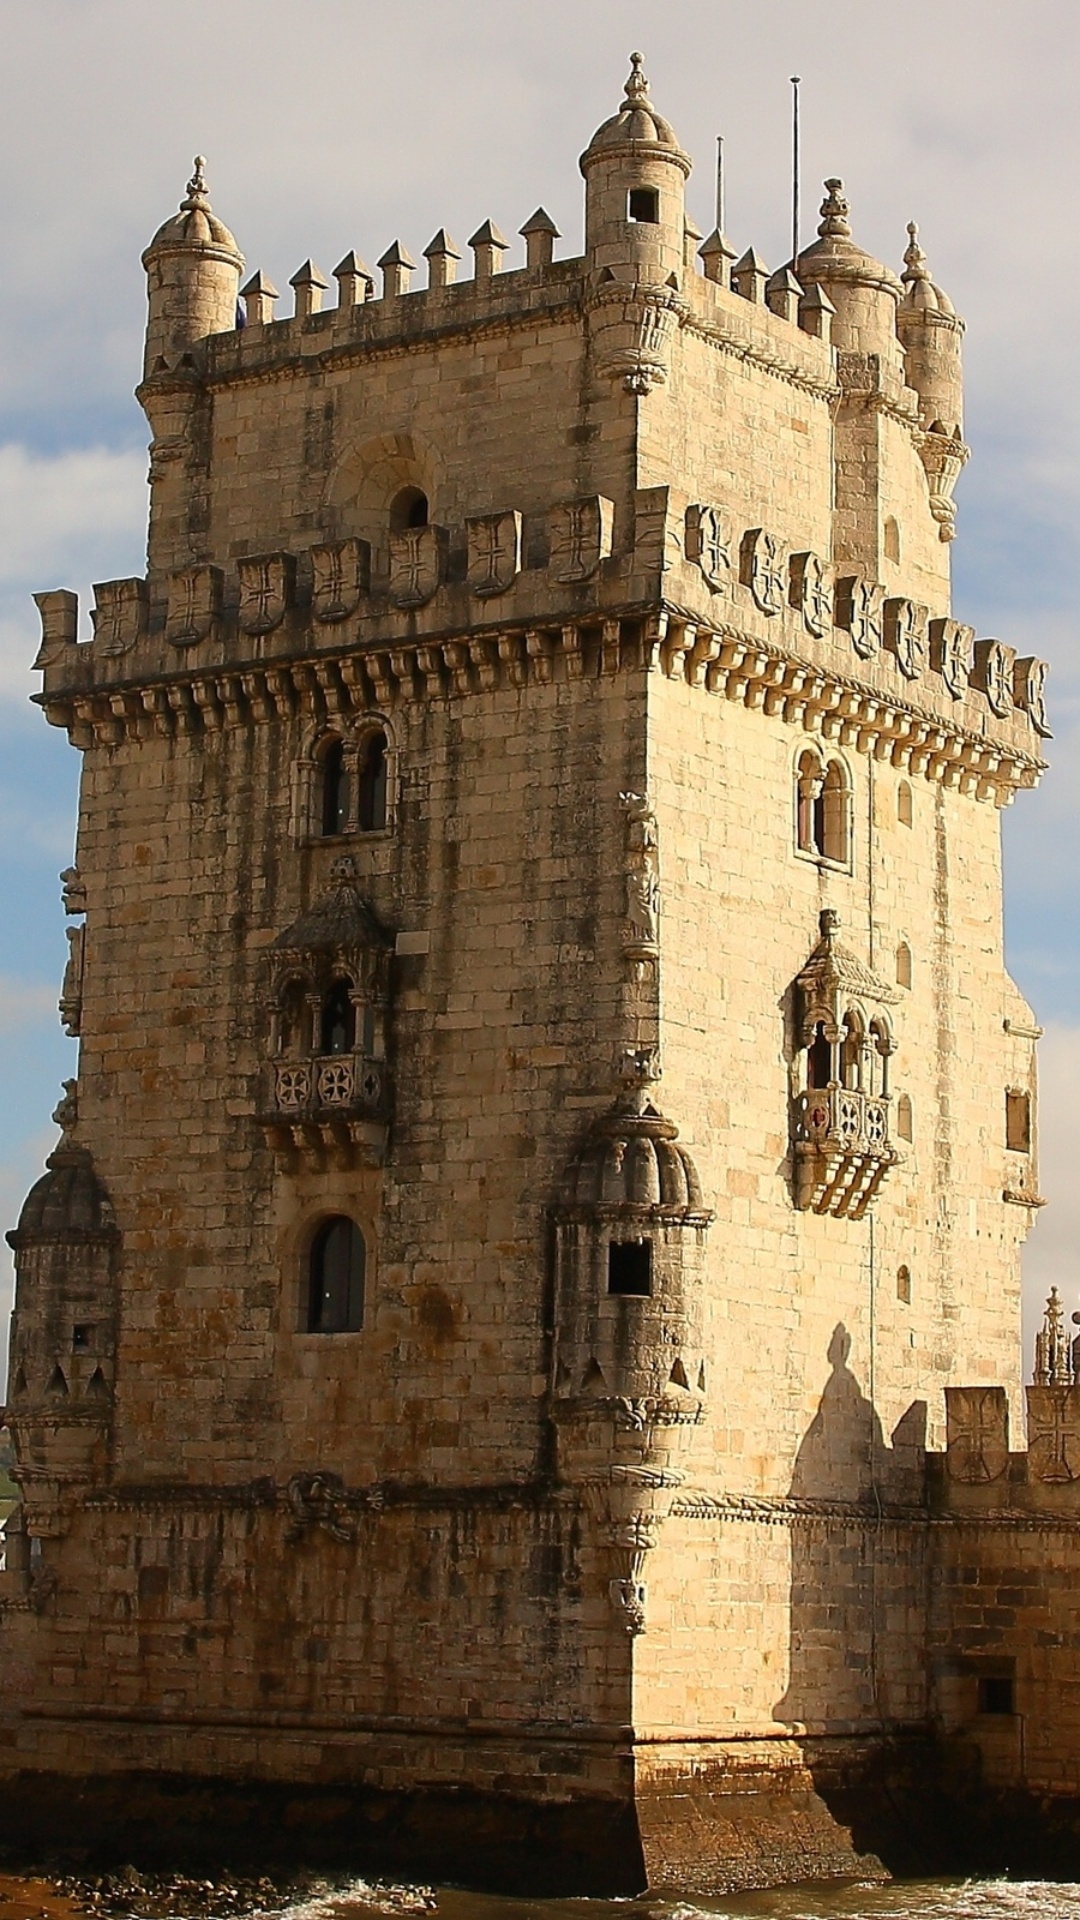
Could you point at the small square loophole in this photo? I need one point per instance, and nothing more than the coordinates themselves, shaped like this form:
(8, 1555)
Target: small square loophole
(996, 1693)
(643, 204)
(630, 1267)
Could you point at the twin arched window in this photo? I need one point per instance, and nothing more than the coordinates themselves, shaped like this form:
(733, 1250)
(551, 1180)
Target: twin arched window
(335, 1277)
(859, 1060)
(822, 808)
(354, 784)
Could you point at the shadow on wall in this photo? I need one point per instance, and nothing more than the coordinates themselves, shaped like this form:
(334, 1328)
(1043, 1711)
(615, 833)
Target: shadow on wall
(854, 1574)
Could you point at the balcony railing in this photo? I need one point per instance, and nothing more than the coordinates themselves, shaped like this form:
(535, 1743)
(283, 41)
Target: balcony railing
(843, 1148)
(335, 1102)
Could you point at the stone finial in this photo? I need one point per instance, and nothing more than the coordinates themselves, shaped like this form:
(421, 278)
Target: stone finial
(717, 255)
(782, 294)
(637, 87)
(309, 284)
(539, 234)
(816, 312)
(356, 282)
(441, 255)
(197, 197)
(488, 246)
(915, 262)
(834, 212)
(1053, 1355)
(749, 275)
(396, 266)
(828, 922)
(258, 296)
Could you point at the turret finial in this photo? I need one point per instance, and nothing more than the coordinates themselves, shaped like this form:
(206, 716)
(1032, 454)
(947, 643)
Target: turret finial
(834, 212)
(914, 258)
(637, 87)
(198, 193)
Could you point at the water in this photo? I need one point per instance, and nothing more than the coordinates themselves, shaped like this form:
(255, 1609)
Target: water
(899, 1900)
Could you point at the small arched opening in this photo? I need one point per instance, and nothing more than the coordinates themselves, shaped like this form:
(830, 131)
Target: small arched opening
(819, 1059)
(408, 508)
(903, 965)
(335, 1279)
(372, 773)
(338, 1027)
(334, 776)
(851, 1052)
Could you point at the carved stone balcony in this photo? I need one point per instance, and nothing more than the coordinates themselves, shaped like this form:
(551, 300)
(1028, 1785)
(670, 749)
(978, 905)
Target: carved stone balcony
(843, 1149)
(330, 1106)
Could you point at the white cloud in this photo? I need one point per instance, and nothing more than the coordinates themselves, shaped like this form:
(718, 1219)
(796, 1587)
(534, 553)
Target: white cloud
(1052, 1254)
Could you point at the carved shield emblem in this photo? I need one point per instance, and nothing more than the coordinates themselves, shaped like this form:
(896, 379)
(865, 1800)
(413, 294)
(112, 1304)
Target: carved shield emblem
(905, 635)
(416, 565)
(1053, 1434)
(340, 576)
(581, 532)
(1029, 692)
(992, 674)
(859, 608)
(950, 654)
(810, 593)
(265, 590)
(494, 552)
(194, 605)
(977, 1434)
(763, 570)
(708, 541)
(119, 614)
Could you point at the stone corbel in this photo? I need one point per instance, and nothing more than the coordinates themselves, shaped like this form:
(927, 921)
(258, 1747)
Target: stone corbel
(944, 457)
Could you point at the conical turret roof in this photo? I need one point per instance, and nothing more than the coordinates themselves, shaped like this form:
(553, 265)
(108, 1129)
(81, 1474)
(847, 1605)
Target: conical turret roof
(921, 293)
(196, 225)
(636, 124)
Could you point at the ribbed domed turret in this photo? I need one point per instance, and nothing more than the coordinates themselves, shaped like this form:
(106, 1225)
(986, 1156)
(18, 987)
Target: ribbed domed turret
(632, 1159)
(635, 176)
(863, 290)
(193, 268)
(931, 331)
(637, 122)
(67, 1203)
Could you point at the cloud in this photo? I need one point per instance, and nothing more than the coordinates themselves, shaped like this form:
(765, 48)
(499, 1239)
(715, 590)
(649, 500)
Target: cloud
(1052, 1254)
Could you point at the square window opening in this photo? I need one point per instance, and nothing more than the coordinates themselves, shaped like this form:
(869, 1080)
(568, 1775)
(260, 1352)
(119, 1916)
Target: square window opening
(80, 1338)
(643, 204)
(996, 1693)
(630, 1267)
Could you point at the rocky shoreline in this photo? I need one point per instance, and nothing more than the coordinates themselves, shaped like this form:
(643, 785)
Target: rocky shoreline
(129, 1894)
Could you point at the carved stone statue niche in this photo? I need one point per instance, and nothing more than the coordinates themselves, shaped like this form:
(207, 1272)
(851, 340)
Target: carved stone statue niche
(325, 1083)
(629, 1380)
(63, 1334)
(842, 1147)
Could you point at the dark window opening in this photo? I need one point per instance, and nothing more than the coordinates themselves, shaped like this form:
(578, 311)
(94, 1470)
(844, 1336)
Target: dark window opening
(338, 1020)
(1018, 1121)
(819, 1059)
(336, 1278)
(335, 789)
(995, 1693)
(630, 1267)
(367, 1031)
(372, 796)
(903, 1285)
(851, 1051)
(80, 1338)
(409, 508)
(643, 203)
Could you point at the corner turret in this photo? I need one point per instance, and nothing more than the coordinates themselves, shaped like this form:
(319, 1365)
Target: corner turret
(864, 292)
(635, 178)
(931, 331)
(193, 268)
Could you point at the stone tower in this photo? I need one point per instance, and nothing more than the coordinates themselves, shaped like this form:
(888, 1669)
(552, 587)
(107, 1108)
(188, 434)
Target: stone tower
(552, 1118)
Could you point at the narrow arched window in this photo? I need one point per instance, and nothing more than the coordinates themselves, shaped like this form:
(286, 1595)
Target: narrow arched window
(294, 1020)
(819, 1059)
(903, 965)
(834, 835)
(903, 1285)
(905, 805)
(338, 1020)
(879, 1059)
(335, 1302)
(905, 1126)
(371, 795)
(809, 816)
(892, 539)
(335, 789)
(409, 508)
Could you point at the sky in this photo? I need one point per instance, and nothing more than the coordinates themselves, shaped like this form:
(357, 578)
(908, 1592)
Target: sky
(330, 124)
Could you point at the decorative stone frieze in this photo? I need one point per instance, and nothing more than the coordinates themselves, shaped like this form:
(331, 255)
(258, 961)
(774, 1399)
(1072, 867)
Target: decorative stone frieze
(992, 672)
(763, 569)
(581, 534)
(950, 654)
(494, 552)
(340, 577)
(119, 615)
(810, 592)
(195, 596)
(904, 625)
(859, 609)
(417, 564)
(1029, 692)
(709, 543)
(266, 590)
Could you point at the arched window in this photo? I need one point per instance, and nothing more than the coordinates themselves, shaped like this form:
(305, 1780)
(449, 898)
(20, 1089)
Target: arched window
(294, 1020)
(371, 782)
(408, 508)
(879, 1058)
(903, 964)
(822, 809)
(338, 1020)
(903, 1285)
(904, 1120)
(905, 805)
(892, 539)
(335, 1300)
(851, 1049)
(819, 1059)
(335, 788)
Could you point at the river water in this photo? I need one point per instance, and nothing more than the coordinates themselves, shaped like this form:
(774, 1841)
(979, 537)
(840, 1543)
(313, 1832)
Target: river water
(899, 1900)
